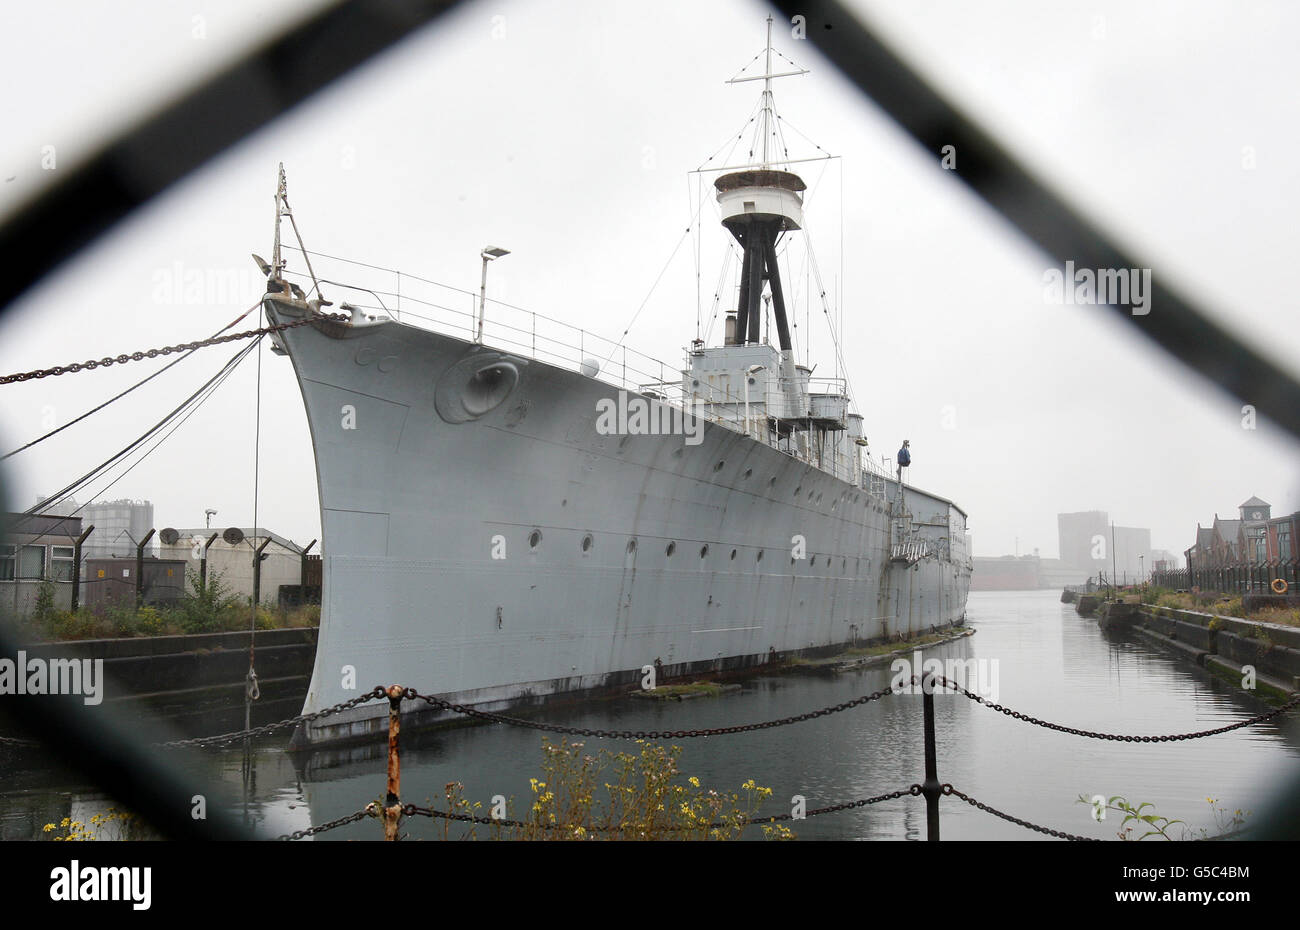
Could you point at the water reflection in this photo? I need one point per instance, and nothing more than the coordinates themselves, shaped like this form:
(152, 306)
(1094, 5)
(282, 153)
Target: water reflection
(1051, 664)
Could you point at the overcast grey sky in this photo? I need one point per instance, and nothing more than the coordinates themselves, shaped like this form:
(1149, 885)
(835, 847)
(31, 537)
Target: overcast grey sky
(564, 132)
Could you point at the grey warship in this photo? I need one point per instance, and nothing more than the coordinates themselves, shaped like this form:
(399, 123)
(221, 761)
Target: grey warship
(511, 516)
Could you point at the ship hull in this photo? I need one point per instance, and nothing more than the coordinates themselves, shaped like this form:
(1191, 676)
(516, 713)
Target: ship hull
(520, 552)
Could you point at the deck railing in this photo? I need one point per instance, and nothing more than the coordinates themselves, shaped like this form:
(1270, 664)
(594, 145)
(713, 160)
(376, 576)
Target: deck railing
(453, 311)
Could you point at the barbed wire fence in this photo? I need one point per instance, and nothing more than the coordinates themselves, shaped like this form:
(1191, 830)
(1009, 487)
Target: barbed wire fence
(392, 810)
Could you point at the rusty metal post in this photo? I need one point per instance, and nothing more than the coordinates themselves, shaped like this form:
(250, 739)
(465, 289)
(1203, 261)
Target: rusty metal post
(302, 573)
(139, 570)
(76, 567)
(393, 800)
(258, 557)
(203, 565)
(930, 788)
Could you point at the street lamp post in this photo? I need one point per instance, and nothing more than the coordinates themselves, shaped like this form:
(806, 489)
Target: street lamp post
(488, 254)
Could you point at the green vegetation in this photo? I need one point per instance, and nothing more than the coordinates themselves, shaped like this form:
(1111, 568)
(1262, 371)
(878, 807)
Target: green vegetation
(613, 796)
(881, 649)
(1221, 605)
(1137, 817)
(210, 608)
(677, 692)
(110, 825)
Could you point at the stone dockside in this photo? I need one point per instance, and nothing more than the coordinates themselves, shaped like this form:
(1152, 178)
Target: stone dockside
(1228, 646)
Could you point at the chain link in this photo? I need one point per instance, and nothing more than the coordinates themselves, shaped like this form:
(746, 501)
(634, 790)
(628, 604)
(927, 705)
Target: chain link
(373, 695)
(1117, 737)
(411, 810)
(370, 810)
(411, 693)
(165, 350)
(1058, 834)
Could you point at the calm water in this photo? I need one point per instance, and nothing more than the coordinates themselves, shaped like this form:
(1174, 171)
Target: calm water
(1051, 664)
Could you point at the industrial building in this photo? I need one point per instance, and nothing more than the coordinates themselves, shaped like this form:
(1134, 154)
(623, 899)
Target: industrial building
(36, 547)
(1089, 543)
(119, 525)
(230, 554)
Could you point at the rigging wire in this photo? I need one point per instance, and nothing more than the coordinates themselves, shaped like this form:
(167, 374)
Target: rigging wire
(251, 691)
(821, 287)
(782, 119)
(650, 294)
(62, 494)
(116, 397)
(717, 291)
(739, 136)
(748, 63)
(699, 196)
(181, 422)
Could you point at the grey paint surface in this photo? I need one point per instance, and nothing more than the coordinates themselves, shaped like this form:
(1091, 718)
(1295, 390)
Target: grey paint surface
(419, 491)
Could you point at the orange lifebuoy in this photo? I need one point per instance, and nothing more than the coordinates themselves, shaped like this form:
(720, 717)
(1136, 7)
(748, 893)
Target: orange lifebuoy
(1279, 586)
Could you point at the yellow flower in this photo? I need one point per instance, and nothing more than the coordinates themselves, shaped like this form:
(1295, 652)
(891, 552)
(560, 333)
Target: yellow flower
(48, 827)
(694, 781)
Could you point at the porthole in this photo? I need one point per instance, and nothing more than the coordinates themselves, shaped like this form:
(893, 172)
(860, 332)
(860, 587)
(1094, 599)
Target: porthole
(759, 557)
(844, 564)
(534, 539)
(586, 543)
(810, 495)
(819, 497)
(797, 489)
(718, 467)
(631, 546)
(733, 555)
(704, 550)
(748, 472)
(834, 504)
(812, 562)
(672, 547)
(771, 481)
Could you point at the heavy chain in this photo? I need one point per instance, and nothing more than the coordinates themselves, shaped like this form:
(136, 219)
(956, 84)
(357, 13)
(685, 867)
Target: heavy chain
(373, 695)
(1058, 834)
(914, 791)
(1294, 702)
(370, 810)
(411, 810)
(412, 694)
(165, 350)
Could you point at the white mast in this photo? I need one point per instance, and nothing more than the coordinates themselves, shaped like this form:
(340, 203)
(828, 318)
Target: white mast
(767, 91)
(769, 108)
